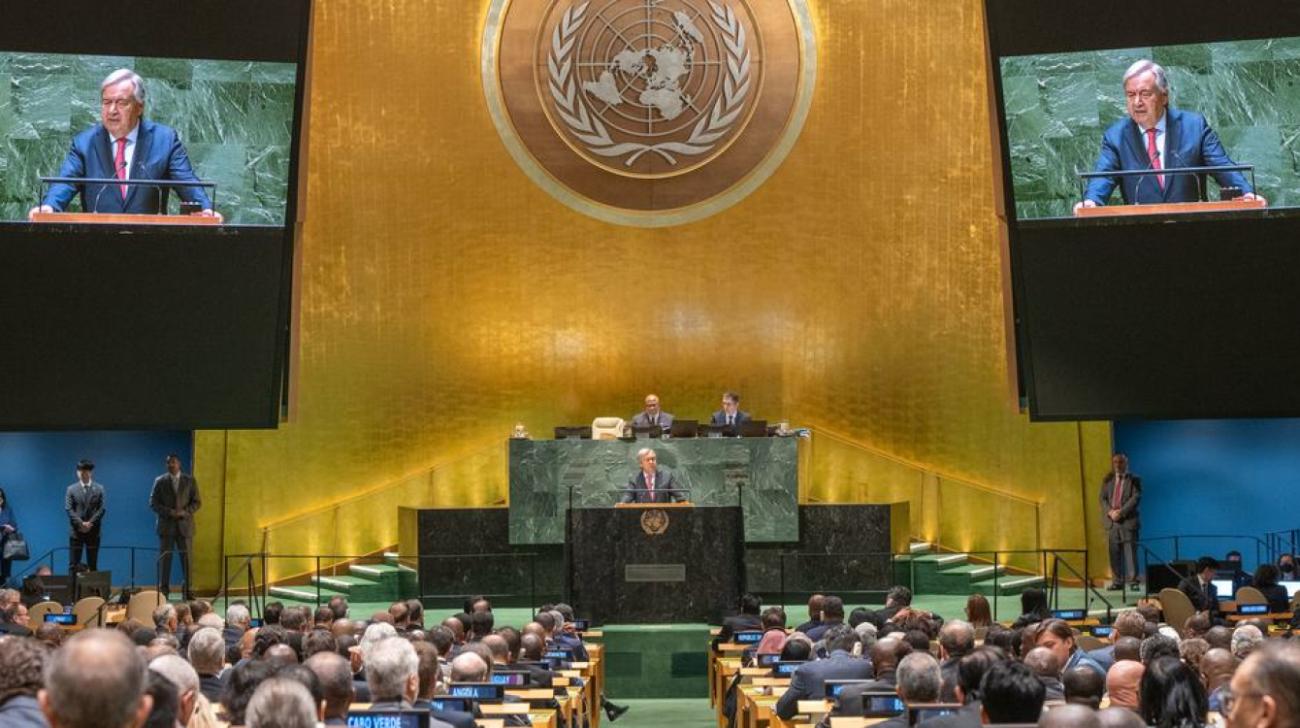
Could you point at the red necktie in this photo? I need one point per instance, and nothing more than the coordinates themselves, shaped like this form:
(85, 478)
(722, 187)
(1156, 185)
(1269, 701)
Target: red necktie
(1117, 495)
(1154, 154)
(119, 161)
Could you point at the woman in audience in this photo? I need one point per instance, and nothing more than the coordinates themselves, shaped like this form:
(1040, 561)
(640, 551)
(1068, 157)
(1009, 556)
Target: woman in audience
(1172, 696)
(1033, 608)
(773, 632)
(978, 612)
(8, 527)
(1266, 577)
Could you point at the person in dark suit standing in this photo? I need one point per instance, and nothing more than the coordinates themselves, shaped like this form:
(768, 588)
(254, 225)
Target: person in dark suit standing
(125, 145)
(8, 525)
(174, 499)
(1200, 588)
(651, 484)
(1120, 493)
(84, 502)
(730, 415)
(653, 415)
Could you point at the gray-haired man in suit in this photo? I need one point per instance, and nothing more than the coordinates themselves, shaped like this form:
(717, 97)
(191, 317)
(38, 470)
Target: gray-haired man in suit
(84, 502)
(175, 498)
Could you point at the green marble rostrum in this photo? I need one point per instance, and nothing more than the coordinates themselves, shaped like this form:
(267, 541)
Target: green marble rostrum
(1058, 105)
(541, 472)
(234, 117)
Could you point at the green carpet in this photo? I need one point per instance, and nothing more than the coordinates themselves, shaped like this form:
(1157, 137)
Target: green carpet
(678, 713)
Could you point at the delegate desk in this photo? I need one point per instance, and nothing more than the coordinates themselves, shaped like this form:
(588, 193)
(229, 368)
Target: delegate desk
(649, 563)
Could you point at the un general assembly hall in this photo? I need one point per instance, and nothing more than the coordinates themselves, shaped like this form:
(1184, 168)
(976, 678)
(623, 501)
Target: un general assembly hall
(667, 363)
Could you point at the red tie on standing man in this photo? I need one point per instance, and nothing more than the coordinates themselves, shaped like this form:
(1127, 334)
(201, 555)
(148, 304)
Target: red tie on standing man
(119, 163)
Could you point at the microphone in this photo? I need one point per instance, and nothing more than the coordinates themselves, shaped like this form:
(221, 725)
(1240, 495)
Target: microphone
(1137, 189)
(116, 171)
(1178, 162)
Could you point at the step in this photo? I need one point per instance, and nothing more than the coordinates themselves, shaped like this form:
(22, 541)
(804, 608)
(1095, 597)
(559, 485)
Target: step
(1008, 585)
(391, 557)
(359, 589)
(304, 593)
(919, 547)
(398, 578)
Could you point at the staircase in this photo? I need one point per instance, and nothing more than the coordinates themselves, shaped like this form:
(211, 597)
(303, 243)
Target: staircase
(953, 573)
(378, 583)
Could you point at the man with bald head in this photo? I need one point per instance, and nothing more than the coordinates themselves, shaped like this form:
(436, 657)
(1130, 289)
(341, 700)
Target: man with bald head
(1217, 666)
(815, 604)
(653, 415)
(1070, 716)
(96, 680)
(469, 667)
(1047, 667)
(1122, 683)
(499, 648)
(531, 648)
(1265, 691)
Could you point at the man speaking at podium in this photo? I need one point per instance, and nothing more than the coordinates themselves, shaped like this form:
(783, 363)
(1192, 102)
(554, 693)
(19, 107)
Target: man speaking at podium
(651, 485)
(1156, 137)
(125, 145)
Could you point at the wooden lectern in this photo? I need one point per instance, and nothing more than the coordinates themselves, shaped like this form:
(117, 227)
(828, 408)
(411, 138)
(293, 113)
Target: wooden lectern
(96, 218)
(1170, 208)
(679, 504)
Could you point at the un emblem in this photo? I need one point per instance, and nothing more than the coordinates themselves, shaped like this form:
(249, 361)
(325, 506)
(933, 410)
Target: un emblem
(654, 522)
(649, 112)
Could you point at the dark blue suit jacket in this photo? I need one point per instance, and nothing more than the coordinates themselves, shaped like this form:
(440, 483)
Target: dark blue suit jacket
(1189, 142)
(158, 154)
(809, 681)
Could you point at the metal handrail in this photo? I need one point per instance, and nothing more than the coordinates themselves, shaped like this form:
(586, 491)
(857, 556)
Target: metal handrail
(262, 590)
(998, 555)
(49, 556)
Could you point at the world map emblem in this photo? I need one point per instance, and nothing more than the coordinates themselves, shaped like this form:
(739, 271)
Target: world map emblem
(648, 112)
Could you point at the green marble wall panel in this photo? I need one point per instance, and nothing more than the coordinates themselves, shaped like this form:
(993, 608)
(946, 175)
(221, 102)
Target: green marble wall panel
(542, 471)
(235, 118)
(1058, 105)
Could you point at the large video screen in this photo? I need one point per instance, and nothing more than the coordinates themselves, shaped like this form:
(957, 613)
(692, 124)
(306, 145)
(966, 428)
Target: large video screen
(1149, 183)
(1229, 103)
(231, 120)
(150, 154)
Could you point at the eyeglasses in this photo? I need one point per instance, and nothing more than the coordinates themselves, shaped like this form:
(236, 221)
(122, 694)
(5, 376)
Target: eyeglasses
(1145, 95)
(1229, 698)
(119, 103)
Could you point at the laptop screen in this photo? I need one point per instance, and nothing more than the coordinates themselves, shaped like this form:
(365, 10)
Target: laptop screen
(1224, 587)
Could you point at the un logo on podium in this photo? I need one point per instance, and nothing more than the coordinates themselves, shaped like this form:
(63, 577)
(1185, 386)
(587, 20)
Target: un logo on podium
(649, 112)
(654, 522)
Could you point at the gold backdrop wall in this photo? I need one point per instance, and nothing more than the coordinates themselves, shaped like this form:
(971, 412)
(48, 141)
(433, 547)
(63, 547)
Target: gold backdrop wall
(444, 297)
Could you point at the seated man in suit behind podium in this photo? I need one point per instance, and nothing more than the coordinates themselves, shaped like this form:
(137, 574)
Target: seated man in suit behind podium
(652, 415)
(730, 414)
(1155, 136)
(125, 145)
(651, 484)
